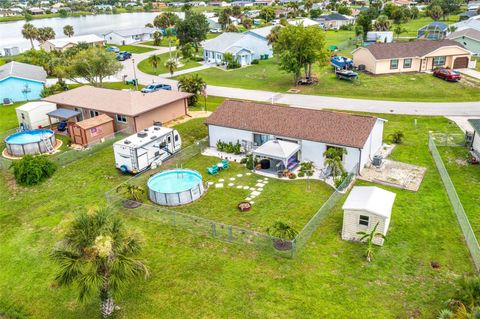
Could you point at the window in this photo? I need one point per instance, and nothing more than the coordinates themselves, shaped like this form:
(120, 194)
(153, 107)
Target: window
(407, 63)
(121, 118)
(394, 64)
(169, 139)
(438, 61)
(93, 113)
(23, 116)
(363, 220)
(259, 139)
(176, 138)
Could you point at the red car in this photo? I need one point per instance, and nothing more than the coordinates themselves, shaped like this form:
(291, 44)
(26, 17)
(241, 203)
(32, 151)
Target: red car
(447, 74)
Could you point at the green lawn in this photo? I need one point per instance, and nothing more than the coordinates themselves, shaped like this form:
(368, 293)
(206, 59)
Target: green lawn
(197, 277)
(163, 43)
(398, 87)
(412, 26)
(135, 49)
(146, 67)
(466, 179)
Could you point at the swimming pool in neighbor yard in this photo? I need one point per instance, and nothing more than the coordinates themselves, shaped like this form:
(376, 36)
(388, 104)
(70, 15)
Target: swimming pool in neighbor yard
(175, 187)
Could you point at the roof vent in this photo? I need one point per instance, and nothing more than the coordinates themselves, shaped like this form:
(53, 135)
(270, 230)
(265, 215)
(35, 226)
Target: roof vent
(156, 123)
(142, 134)
(127, 142)
(153, 137)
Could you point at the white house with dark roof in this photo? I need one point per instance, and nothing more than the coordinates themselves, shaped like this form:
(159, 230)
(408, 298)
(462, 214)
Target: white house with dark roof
(129, 36)
(245, 47)
(335, 20)
(286, 136)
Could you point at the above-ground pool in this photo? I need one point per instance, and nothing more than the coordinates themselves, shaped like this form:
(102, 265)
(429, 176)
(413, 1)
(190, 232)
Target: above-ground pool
(30, 142)
(175, 187)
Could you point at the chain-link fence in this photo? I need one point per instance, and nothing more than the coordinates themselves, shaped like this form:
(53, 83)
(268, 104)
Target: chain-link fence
(202, 226)
(448, 139)
(462, 218)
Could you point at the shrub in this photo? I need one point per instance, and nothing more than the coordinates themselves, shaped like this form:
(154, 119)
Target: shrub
(292, 176)
(255, 61)
(243, 160)
(397, 137)
(301, 174)
(32, 170)
(250, 163)
(229, 147)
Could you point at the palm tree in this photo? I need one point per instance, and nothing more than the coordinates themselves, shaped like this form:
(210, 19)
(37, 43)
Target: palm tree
(282, 230)
(29, 32)
(369, 237)
(382, 23)
(307, 169)
(334, 158)
(154, 61)
(131, 191)
(97, 256)
(272, 37)
(44, 34)
(171, 65)
(192, 84)
(398, 30)
(169, 33)
(68, 30)
(157, 38)
(308, 4)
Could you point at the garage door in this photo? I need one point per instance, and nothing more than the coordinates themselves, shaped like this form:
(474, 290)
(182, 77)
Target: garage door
(460, 63)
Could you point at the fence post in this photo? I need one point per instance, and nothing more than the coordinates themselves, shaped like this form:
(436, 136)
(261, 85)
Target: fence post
(214, 230)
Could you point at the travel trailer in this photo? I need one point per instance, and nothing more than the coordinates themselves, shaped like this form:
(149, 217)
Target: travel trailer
(145, 149)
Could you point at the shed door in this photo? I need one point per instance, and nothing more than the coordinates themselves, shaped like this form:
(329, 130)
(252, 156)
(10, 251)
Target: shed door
(460, 63)
(77, 135)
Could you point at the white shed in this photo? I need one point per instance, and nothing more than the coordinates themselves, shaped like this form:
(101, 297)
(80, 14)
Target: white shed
(364, 208)
(33, 115)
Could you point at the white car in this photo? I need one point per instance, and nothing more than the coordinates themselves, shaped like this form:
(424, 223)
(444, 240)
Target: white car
(215, 31)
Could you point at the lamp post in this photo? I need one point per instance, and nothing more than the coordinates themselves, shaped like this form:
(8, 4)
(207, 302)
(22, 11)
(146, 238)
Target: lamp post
(135, 75)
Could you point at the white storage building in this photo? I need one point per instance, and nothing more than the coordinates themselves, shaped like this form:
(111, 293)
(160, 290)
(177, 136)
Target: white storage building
(33, 115)
(364, 207)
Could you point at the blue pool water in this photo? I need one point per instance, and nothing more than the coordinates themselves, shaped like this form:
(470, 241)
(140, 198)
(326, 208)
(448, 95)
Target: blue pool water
(32, 136)
(20, 89)
(174, 181)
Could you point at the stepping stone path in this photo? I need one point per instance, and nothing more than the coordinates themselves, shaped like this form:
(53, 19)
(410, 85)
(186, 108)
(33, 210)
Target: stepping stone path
(231, 184)
(221, 180)
(210, 183)
(232, 178)
(246, 187)
(239, 186)
(248, 174)
(259, 180)
(248, 199)
(255, 193)
(219, 185)
(260, 185)
(265, 179)
(239, 175)
(259, 189)
(252, 202)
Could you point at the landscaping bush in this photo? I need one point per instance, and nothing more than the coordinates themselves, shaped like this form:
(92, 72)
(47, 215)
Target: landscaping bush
(32, 170)
(301, 174)
(292, 176)
(229, 147)
(243, 160)
(250, 162)
(397, 137)
(255, 61)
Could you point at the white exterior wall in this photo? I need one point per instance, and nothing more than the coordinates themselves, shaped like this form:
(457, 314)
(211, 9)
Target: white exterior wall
(114, 38)
(351, 225)
(313, 151)
(373, 144)
(224, 134)
(256, 45)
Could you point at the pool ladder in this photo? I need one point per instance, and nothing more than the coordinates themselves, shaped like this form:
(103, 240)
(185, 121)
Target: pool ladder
(179, 174)
(48, 143)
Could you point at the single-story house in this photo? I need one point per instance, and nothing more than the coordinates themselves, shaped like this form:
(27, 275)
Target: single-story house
(403, 3)
(415, 56)
(63, 44)
(131, 110)
(473, 23)
(433, 31)
(91, 130)
(242, 3)
(36, 11)
(379, 36)
(364, 207)
(469, 38)
(263, 2)
(213, 23)
(129, 36)
(289, 134)
(306, 22)
(262, 32)
(219, 4)
(335, 20)
(245, 47)
(21, 81)
(466, 15)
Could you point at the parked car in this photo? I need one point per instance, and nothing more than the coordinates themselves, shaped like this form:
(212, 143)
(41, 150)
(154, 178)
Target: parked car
(155, 87)
(215, 30)
(447, 74)
(113, 49)
(127, 54)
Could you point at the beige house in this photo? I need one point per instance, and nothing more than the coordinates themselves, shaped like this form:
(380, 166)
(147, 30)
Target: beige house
(131, 110)
(65, 43)
(364, 207)
(415, 56)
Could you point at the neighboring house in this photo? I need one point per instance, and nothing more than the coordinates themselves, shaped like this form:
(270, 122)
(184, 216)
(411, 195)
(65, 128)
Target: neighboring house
(473, 22)
(245, 47)
(213, 23)
(415, 56)
(36, 11)
(242, 3)
(466, 15)
(219, 4)
(403, 3)
(433, 31)
(261, 32)
(301, 134)
(131, 110)
(334, 20)
(21, 81)
(364, 207)
(129, 36)
(469, 38)
(106, 7)
(306, 22)
(263, 2)
(63, 44)
(379, 36)
(473, 6)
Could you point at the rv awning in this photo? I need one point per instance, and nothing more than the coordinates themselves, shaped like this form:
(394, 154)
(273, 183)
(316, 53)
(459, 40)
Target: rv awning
(277, 149)
(63, 114)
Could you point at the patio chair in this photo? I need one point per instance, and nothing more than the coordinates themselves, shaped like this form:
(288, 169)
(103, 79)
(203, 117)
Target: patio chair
(213, 170)
(7, 101)
(62, 126)
(325, 172)
(224, 164)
